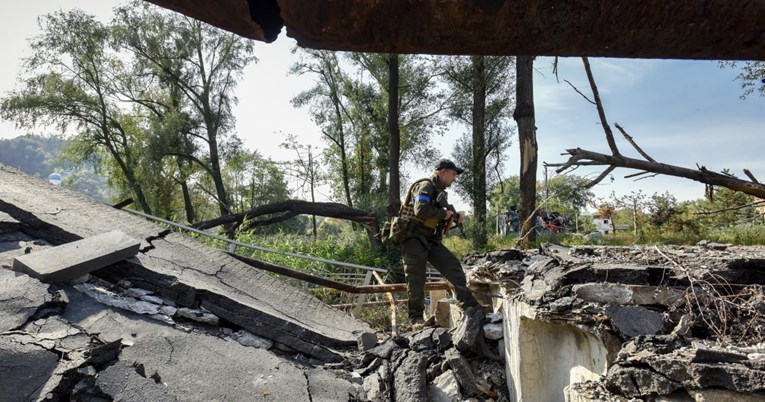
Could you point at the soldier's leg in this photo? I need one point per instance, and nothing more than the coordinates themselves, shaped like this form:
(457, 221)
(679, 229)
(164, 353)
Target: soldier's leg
(415, 257)
(449, 266)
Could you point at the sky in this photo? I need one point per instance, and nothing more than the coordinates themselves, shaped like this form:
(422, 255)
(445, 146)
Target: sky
(681, 112)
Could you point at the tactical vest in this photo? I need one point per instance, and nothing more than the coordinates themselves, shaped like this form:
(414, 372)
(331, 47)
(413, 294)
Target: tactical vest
(407, 208)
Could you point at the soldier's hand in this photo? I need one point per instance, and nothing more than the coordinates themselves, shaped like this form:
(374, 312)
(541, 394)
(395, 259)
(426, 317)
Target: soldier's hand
(449, 215)
(460, 218)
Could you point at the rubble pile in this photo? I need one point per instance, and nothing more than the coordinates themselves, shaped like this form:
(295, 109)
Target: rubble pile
(678, 322)
(435, 364)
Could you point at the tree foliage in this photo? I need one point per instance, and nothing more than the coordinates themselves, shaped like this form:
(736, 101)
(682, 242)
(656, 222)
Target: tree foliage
(146, 97)
(481, 100)
(349, 102)
(751, 77)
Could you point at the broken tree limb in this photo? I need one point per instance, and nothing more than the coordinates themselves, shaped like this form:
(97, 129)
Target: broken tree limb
(291, 208)
(580, 157)
(599, 106)
(750, 176)
(634, 144)
(702, 175)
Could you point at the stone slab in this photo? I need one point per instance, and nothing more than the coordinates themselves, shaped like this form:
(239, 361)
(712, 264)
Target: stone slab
(72, 260)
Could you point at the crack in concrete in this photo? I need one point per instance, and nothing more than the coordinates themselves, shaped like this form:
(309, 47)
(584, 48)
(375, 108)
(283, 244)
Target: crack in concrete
(172, 350)
(150, 239)
(308, 386)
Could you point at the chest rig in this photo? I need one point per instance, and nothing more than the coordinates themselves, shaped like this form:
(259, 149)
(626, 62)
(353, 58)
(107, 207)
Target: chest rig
(407, 208)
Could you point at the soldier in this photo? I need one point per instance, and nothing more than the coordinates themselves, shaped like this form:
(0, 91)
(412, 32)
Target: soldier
(429, 213)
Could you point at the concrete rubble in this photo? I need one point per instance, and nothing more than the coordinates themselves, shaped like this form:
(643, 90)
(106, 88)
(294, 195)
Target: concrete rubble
(180, 321)
(641, 323)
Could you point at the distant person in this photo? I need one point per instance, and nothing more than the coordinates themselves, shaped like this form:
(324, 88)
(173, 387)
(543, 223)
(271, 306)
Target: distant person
(515, 218)
(429, 214)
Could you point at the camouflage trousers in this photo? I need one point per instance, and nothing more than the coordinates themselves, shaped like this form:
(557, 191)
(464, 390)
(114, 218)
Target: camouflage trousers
(417, 252)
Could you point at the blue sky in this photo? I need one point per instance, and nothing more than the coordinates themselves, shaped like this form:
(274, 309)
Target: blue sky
(680, 112)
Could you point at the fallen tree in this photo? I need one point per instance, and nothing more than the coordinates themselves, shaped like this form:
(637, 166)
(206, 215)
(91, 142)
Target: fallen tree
(581, 157)
(270, 214)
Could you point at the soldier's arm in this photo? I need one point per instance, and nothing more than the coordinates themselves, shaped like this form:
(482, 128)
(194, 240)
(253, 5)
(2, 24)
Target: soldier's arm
(423, 208)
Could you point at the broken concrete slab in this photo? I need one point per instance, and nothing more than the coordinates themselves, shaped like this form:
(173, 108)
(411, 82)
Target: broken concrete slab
(181, 269)
(462, 371)
(25, 368)
(21, 297)
(201, 367)
(193, 365)
(326, 386)
(662, 364)
(122, 382)
(632, 321)
(627, 294)
(72, 260)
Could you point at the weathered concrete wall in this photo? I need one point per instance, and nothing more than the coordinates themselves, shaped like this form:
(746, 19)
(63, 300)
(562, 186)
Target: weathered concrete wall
(543, 357)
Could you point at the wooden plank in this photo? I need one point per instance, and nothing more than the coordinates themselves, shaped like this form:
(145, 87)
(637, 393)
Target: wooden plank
(72, 260)
(361, 298)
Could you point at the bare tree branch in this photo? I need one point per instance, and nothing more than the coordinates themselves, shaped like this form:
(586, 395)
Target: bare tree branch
(579, 157)
(579, 92)
(732, 208)
(599, 105)
(702, 175)
(600, 177)
(750, 175)
(632, 142)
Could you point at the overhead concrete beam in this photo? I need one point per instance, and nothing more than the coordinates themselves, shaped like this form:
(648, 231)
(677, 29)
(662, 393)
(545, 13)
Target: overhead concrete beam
(72, 260)
(676, 29)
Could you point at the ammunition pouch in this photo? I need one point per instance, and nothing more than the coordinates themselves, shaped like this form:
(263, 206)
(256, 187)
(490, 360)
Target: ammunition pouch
(394, 231)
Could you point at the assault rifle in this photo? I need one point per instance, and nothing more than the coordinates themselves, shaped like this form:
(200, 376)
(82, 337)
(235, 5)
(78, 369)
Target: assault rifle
(442, 201)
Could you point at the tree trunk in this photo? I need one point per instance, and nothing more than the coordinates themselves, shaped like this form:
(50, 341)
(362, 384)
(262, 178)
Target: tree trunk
(479, 151)
(394, 187)
(527, 137)
(313, 189)
(220, 189)
(187, 202)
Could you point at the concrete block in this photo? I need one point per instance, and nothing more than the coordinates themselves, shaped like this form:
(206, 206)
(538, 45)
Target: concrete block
(72, 260)
(366, 341)
(443, 313)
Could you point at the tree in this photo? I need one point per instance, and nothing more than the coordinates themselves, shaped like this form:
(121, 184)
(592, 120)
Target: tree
(327, 106)
(635, 203)
(662, 207)
(412, 114)
(480, 99)
(351, 103)
(567, 193)
(305, 168)
(394, 132)
(72, 74)
(204, 64)
(527, 139)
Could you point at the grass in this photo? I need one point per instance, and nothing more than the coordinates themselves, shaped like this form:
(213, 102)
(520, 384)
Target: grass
(352, 246)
